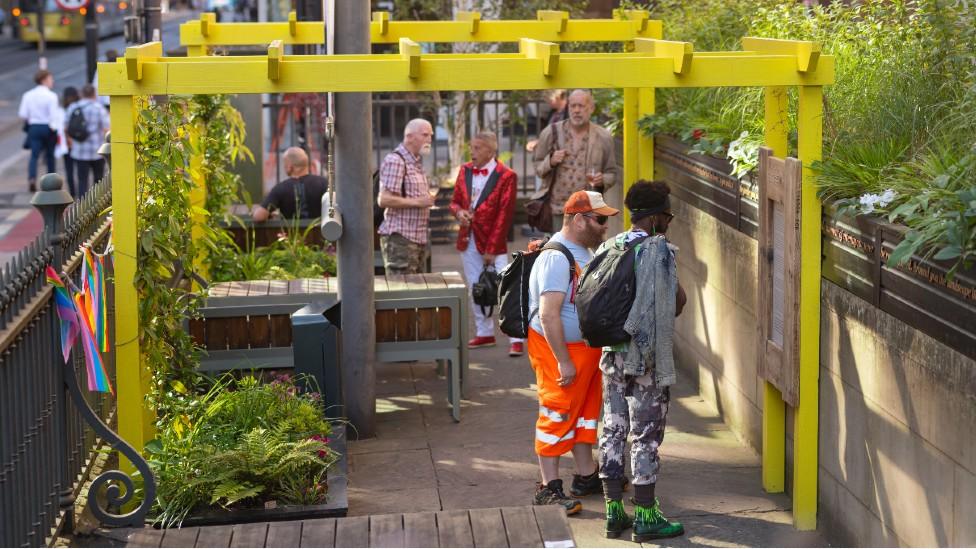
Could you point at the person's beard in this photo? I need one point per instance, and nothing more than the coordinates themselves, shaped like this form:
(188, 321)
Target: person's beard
(594, 237)
(425, 149)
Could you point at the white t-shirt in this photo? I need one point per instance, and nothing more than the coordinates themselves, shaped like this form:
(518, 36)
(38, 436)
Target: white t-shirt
(39, 106)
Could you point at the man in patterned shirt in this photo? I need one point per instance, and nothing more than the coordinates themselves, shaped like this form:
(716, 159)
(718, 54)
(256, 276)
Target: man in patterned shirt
(405, 195)
(85, 153)
(580, 153)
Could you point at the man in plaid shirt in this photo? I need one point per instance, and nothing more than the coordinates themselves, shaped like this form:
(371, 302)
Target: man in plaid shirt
(85, 153)
(406, 198)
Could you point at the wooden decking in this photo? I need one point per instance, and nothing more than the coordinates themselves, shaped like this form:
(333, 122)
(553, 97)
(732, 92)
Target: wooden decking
(500, 527)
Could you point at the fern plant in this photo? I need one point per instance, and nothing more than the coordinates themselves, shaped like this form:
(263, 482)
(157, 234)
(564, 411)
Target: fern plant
(242, 441)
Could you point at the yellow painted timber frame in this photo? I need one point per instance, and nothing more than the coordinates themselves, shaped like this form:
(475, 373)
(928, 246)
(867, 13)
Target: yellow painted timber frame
(775, 65)
(550, 26)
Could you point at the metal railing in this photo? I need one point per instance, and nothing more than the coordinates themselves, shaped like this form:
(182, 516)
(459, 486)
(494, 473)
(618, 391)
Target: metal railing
(47, 445)
(517, 119)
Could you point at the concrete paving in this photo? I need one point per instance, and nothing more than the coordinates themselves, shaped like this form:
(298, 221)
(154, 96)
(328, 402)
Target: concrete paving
(421, 460)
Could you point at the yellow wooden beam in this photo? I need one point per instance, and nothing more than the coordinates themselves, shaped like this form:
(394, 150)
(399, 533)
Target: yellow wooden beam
(381, 22)
(639, 17)
(807, 53)
(291, 32)
(136, 56)
(546, 51)
(588, 30)
(472, 17)
(293, 24)
(559, 17)
(410, 52)
(776, 132)
(341, 73)
(631, 112)
(207, 20)
(680, 52)
(276, 53)
(809, 122)
(198, 199)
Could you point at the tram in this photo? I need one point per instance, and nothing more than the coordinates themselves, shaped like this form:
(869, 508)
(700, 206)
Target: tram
(68, 25)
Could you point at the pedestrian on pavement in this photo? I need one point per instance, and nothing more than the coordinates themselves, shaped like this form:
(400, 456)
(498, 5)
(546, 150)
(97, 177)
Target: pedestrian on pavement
(84, 148)
(484, 205)
(298, 196)
(566, 369)
(68, 97)
(39, 109)
(558, 111)
(575, 154)
(637, 375)
(405, 195)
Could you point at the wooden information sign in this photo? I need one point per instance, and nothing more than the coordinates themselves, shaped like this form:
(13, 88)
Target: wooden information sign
(779, 273)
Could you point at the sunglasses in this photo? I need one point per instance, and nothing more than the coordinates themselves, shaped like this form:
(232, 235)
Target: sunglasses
(600, 219)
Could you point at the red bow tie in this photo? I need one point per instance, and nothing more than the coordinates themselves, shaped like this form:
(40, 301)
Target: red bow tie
(479, 171)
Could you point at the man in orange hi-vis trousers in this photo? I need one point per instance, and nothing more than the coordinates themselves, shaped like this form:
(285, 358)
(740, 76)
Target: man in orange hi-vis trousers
(566, 369)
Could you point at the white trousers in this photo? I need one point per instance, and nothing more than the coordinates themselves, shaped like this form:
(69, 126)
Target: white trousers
(473, 265)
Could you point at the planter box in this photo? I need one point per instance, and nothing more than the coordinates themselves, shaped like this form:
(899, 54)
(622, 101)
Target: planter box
(337, 503)
(704, 182)
(918, 293)
(855, 250)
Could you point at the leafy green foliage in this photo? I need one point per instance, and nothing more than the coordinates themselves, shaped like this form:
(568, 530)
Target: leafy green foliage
(900, 117)
(287, 258)
(163, 187)
(241, 441)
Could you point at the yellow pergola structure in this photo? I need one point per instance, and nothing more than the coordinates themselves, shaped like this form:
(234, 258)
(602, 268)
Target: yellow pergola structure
(199, 35)
(774, 65)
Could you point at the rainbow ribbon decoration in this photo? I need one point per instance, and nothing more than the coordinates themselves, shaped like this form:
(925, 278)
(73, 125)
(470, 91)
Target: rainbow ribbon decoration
(94, 304)
(75, 320)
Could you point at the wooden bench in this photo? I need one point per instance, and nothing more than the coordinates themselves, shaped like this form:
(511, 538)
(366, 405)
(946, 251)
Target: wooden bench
(530, 526)
(248, 325)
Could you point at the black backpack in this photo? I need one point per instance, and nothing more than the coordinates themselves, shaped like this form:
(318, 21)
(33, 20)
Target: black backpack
(377, 211)
(513, 290)
(605, 295)
(77, 126)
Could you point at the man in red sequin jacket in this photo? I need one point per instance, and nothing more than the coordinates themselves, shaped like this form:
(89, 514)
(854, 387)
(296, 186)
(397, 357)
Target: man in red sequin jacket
(484, 204)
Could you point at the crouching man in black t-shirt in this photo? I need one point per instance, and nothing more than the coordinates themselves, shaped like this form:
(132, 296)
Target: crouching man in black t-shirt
(298, 196)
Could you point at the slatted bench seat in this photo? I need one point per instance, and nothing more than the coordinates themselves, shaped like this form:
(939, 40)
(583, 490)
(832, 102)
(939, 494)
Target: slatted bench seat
(247, 325)
(535, 526)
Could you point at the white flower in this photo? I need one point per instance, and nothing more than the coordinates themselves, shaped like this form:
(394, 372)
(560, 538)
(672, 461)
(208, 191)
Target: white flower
(886, 198)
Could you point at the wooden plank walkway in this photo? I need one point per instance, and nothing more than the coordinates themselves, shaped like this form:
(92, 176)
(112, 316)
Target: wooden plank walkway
(499, 527)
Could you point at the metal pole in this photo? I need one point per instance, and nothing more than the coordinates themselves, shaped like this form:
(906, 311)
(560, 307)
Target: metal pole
(154, 20)
(91, 42)
(41, 43)
(354, 197)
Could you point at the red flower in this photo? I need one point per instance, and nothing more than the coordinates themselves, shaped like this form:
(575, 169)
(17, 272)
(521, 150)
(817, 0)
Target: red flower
(698, 133)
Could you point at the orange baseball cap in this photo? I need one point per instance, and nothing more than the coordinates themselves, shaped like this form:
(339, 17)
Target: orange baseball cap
(586, 202)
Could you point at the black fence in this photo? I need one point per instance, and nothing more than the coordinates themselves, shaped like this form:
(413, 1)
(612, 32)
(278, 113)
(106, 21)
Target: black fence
(46, 447)
(298, 120)
(855, 250)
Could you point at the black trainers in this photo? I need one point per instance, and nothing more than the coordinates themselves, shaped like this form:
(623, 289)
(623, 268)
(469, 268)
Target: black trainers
(586, 485)
(590, 484)
(552, 494)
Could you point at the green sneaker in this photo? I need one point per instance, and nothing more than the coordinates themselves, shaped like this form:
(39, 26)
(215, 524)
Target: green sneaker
(617, 519)
(650, 524)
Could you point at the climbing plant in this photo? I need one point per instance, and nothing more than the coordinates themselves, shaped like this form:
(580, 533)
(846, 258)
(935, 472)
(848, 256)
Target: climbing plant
(163, 187)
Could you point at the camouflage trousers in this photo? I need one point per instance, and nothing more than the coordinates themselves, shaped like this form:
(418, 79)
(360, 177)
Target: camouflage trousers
(634, 405)
(402, 256)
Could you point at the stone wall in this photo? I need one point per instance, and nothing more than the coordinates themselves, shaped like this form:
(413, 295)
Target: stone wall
(897, 409)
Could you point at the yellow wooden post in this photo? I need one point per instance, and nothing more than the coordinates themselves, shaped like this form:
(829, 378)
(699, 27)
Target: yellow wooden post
(645, 143)
(805, 452)
(774, 409)
(631, 145)
(132, 378)
(198, 198)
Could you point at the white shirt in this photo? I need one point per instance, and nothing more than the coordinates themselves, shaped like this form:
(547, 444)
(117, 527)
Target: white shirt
(479, 181)
(39, 106)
